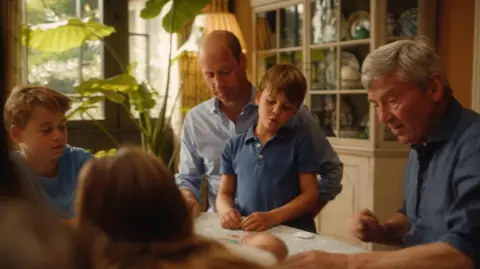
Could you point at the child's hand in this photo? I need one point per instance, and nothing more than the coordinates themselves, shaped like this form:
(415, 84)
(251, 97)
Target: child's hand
(258, 221)
(231, 219)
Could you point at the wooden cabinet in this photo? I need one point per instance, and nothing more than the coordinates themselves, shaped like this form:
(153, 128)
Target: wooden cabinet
(329, 40)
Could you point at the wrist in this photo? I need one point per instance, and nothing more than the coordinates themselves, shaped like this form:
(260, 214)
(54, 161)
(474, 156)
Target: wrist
(188, 194)
(275, 217)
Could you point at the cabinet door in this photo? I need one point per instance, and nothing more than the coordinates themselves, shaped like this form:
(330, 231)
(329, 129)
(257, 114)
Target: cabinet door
(279, 37)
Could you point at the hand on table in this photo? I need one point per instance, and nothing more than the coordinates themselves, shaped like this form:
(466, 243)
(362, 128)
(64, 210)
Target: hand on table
(231, 219)
(258, 221)
(192, 202)
(366, 227)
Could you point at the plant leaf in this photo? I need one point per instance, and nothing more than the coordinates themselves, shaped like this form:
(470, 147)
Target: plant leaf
(142, 98)
(123, 83)
(152, 8)
(185, 11)
(65, 35)
(115, 97)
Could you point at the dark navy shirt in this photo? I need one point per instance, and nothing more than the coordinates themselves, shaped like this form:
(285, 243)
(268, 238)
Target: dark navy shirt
(442, 184)
(267, 177)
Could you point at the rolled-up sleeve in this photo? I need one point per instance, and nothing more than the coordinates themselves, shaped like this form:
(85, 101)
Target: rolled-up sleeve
(463, 218)
(330, 167)
(191, 169)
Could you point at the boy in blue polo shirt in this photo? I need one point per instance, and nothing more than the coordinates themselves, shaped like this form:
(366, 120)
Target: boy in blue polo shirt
(35, 119)
(269, 173)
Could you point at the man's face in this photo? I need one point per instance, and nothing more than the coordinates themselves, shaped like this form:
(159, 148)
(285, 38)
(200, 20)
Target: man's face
(274, 110)
(403, 107)
(222, 72)
(44, 136)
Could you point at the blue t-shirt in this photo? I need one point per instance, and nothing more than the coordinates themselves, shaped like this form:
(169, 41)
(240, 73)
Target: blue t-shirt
(267, 177)
(58, 191)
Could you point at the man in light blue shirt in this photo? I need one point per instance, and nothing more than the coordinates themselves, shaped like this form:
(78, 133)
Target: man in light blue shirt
(232, 111)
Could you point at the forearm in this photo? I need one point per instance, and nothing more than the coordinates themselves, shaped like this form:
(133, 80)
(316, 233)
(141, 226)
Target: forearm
(224, 203)
(436, 255)
(189, 183)
(299, 206)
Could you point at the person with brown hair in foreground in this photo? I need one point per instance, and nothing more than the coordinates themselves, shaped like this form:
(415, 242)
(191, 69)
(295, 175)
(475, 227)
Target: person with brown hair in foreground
(132, 215)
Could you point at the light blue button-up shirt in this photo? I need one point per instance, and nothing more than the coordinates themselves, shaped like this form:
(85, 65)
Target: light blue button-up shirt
(206, 129)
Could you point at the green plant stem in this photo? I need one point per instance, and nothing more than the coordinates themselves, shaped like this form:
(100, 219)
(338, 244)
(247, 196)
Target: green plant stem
(160, 122)
(174, 154)
(107, 133)
(140, 127)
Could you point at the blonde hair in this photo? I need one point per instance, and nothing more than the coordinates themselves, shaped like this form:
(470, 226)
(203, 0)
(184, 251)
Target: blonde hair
(23, 99)
(413, 60)
(286, 79)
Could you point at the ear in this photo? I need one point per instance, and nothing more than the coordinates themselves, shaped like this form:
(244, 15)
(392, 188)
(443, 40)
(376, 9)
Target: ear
(243, 61)
(16, 134)
(258, 95)
(436, 87)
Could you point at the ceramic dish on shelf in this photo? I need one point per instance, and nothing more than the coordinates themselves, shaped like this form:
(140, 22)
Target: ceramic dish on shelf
(408, 21)
(347, 59)
(359, 24)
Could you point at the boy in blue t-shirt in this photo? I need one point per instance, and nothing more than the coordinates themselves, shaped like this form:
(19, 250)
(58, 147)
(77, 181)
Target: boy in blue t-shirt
(35, 119)
(269, 173)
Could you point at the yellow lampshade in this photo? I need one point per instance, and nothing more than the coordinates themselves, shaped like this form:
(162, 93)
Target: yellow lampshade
(209, 22)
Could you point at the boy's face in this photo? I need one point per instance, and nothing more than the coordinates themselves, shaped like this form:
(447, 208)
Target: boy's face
(274, 110)
(45, 134)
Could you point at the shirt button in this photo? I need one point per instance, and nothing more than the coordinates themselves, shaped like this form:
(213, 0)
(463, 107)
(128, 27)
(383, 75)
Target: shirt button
(258, 145)
(260, 156)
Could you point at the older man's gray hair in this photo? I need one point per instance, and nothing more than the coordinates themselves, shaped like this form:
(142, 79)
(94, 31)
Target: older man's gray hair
(413, 60)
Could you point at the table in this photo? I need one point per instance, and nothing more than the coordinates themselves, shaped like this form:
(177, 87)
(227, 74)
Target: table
(208, 225)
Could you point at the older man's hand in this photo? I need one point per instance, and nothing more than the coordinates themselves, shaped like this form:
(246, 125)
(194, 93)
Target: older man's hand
(191, 201)
(315, 260)
(366, 227)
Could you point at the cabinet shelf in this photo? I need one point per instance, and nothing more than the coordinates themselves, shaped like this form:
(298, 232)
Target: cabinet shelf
(306, 33)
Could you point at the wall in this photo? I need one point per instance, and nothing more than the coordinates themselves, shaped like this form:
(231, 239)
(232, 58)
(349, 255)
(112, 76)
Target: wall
(243, 12)
(455, 22)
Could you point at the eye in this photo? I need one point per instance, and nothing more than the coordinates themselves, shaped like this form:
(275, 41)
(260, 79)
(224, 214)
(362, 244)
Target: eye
(208, 74)
(287, 107)
(47, 130)
(62, 127)
(225, 71)
(271, 101)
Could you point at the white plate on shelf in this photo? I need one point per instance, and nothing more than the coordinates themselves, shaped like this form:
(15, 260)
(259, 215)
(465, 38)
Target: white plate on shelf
(408, 21)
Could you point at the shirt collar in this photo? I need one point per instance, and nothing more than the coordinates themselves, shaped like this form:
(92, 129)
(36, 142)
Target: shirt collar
(215, 104)
(281, 134)
(442, 130)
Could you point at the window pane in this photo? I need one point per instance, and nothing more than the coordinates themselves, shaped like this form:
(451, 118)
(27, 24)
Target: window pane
(149, 45)
(63, 71)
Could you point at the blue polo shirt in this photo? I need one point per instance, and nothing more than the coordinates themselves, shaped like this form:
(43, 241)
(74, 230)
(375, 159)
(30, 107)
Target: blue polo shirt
(442, 184)
(58, 191)
(267, 177)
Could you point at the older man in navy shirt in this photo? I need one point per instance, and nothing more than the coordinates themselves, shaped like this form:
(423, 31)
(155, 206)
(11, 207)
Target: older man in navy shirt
(439, 223)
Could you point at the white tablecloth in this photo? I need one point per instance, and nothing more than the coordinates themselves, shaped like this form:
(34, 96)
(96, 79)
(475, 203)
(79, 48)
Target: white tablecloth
(208, 224)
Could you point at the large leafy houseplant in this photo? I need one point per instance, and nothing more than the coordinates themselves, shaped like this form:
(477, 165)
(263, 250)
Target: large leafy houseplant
(137, 98)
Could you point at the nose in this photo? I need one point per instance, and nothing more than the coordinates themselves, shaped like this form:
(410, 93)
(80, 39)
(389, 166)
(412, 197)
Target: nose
(58, 134)
(384, 115)
(276, 109)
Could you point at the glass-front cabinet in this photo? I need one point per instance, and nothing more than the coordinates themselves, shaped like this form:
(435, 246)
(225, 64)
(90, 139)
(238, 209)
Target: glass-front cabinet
(329, 40)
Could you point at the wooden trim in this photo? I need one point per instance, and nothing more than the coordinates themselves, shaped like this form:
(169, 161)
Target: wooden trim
(476, 60)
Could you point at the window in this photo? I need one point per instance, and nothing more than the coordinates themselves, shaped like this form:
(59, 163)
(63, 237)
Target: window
(62, 71)
(149, 45)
